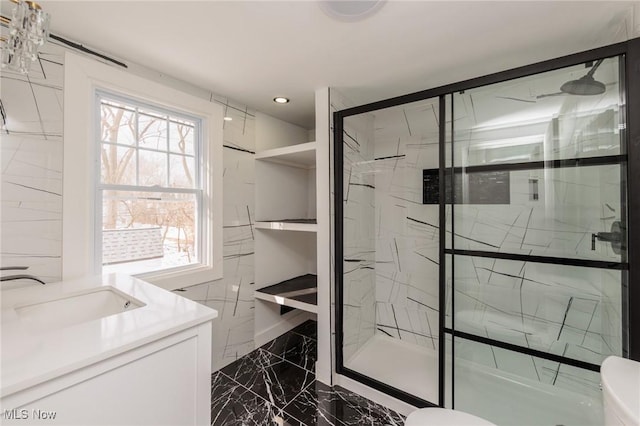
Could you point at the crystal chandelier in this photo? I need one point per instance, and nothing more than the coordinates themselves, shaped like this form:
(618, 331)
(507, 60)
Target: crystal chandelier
(28, 31)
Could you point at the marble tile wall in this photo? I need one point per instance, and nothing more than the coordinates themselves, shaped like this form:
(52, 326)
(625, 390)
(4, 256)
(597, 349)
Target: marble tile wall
(359, 230)
(552, 308)
(232, 296)
(31, 178)
(572, 204)
(390, 237)
(406, 230)
(31, 230)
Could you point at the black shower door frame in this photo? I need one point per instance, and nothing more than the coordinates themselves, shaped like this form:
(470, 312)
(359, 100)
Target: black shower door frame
(630, 53)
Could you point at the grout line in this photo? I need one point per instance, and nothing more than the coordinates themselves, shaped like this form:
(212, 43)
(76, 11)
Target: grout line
(290, 362)
(271, 353)
(295, 397)
(275, 407)
(303, 335)
(302, 368)
(246, 388)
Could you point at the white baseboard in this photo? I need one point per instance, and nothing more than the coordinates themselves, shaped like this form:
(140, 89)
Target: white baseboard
(287, 322)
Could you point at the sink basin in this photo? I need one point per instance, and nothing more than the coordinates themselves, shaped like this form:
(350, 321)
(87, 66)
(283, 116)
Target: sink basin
(75, 309)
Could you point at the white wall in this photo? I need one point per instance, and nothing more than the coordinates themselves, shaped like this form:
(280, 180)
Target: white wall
(276, 133)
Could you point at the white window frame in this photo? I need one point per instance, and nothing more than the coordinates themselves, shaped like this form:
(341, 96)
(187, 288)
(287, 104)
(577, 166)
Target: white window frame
(100, 187)
(83, 79)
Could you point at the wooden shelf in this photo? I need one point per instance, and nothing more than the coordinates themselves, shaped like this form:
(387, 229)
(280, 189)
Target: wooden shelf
(301, 155)
(304, 225)
(299, 293)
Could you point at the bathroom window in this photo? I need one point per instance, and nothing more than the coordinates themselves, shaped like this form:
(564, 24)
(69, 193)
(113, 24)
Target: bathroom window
(149, 189)
(142, 178)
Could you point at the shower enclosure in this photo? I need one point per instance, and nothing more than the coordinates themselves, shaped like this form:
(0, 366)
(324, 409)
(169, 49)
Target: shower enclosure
(485, 231)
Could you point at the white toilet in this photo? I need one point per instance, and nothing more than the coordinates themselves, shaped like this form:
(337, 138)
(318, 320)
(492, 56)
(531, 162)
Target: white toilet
(620, 391)
(443, 417)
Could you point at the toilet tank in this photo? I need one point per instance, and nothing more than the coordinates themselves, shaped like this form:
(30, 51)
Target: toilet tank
(621, 391)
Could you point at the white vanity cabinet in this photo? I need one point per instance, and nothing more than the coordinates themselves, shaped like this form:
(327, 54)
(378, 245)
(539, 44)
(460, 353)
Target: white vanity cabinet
(139, 367)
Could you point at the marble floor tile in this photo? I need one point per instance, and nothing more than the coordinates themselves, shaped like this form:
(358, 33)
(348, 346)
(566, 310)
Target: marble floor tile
(320, 404)
(295, 348)
(231, 403)
(308, 328)
(276, 380)
(265, 387)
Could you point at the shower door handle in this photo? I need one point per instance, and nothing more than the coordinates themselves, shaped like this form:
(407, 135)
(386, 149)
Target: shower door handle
(615, 237)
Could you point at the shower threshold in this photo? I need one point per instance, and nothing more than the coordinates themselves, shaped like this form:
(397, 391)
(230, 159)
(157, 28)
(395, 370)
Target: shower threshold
(299, 293)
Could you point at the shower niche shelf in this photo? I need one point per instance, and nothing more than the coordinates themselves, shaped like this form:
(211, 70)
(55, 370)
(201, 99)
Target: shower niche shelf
(299, 293)
(285, 233)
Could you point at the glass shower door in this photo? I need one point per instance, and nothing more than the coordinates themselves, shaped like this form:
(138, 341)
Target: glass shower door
(390, 250)
(538, 250)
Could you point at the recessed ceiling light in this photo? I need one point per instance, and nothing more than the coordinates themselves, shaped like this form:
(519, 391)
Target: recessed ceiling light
(228, 118)
(281, 100)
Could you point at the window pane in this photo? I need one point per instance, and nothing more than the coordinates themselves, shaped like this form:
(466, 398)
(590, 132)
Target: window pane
(117, 124)
(118, 165)
(181, 137)
(153, 168)
(148, 230)
(182, 169)
(152, 132)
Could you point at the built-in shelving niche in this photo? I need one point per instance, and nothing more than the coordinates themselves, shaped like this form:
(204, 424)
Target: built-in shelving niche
(286, 227)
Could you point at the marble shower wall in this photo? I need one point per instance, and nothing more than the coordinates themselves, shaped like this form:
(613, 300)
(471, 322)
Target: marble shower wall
(31, 153)
(551, 308)
(406, 230)
(390, 236)
(32, 161)
(359, 282)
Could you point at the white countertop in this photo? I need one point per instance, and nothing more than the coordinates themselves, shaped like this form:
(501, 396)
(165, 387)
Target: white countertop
(29, 358)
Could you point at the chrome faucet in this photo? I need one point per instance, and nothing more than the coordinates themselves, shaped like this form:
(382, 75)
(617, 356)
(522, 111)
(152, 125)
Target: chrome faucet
(18, 276)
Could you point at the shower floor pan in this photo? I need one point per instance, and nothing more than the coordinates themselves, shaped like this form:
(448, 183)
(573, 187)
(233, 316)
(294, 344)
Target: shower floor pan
(403, 365)
(498, 396)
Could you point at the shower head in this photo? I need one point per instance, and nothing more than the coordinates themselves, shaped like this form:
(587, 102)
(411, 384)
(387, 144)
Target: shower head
(586, 85)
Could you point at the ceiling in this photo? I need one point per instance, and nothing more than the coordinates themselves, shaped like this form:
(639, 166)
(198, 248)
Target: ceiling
(251, 52)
